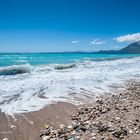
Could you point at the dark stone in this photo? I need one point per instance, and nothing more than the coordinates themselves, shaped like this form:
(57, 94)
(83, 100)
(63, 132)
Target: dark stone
(117, 133)
(83, 128)
(47, 133)
(125, 131)
(41, 135)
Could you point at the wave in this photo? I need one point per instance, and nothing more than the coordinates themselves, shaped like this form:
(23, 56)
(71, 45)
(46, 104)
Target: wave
(14, 70)
(66, 66)
(109, 59)
(74, 82)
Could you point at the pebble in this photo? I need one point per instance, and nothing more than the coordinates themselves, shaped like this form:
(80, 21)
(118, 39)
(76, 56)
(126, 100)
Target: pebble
(62, 126)
(102, 138)
(93, 134)
(70, 127)
(13, 126)
(130, 131)
(93, 138)
(87, 122)
(5, 139)
(77, 137)
(118, 119)
(46, 138)
(47, 126)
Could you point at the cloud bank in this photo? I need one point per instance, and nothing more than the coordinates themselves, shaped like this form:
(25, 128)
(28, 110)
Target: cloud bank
(96, 42)
(128, 38)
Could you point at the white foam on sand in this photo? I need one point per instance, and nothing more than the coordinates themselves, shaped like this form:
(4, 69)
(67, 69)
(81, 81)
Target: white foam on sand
(45, 84)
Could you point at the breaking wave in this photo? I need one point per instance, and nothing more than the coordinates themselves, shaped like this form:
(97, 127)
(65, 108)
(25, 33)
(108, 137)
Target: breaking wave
(75, 82)
(14, 70)
(66, 66)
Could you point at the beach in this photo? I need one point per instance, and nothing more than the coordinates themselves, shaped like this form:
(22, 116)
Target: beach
(108, 117)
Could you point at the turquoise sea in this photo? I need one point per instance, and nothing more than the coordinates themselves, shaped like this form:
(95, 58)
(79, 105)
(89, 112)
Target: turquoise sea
(8, 59)
(29, 81)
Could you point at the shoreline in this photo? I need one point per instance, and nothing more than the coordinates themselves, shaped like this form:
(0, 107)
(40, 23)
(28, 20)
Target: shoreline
(29, 126)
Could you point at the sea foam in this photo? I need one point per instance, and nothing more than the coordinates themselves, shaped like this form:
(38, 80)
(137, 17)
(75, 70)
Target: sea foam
(45, 84)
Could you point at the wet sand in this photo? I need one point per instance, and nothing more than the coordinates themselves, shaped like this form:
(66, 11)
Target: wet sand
(28, 126)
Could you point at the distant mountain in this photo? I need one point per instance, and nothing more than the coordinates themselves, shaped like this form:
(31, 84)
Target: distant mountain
(133, 48)
(107, 52)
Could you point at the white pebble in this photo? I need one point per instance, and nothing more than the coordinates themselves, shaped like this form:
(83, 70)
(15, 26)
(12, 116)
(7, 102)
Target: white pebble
(93, 138)
(62, 126)
(46, 138)
(130, 131)
(12, 126)
(5, 139)
(70, 127)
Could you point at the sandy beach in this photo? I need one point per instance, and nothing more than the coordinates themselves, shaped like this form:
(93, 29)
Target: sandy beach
(109, 117)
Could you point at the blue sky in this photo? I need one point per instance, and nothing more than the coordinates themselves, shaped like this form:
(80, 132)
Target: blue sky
(67, 25)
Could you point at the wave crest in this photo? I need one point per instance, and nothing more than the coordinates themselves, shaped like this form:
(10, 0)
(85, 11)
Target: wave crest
(66, 66)
(14, 70)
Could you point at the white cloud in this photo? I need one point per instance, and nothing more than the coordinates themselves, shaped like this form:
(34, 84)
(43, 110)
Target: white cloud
(75, 41)
(128, 38)
(96, 42)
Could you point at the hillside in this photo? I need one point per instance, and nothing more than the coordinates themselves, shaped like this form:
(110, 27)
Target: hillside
(133, 48)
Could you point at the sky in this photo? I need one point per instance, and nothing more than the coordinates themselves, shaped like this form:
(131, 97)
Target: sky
(68, 25)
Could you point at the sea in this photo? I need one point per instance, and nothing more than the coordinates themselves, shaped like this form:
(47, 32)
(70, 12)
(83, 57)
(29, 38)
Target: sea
(31, 81)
